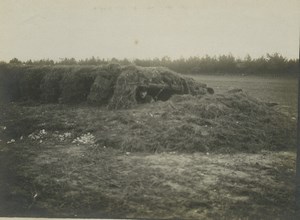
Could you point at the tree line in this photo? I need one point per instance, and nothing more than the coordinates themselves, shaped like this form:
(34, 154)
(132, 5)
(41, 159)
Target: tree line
(268, 64)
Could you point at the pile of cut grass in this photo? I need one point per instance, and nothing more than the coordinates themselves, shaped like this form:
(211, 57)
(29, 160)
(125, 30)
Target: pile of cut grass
(58, 84)
(188, 120)
(66, 175)
(161, 84)
(110, 84)
(229, 122)
(103, 86)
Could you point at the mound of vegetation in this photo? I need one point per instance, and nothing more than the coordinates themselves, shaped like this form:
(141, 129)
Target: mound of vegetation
(161, 83)
(229, 122)
(103, 86)
(185, 117)
(58, 84)
(110, 84)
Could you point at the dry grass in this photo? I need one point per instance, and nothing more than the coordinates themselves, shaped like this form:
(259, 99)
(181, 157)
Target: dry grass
(229, 122)
(164, 160)
(161, 82)
(64, 84)
(93, 84)
(87, 181)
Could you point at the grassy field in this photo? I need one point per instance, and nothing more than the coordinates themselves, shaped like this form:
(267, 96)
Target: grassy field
(48, 174)
(270, 89)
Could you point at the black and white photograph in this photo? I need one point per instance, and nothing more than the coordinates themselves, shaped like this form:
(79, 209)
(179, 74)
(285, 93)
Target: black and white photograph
(149, 109)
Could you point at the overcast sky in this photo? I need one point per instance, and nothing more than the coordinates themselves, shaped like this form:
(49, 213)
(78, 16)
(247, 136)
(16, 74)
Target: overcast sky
(39, 29)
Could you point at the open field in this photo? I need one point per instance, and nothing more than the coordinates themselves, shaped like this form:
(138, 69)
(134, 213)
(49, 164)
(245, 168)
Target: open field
(270, 89)
(48, 174)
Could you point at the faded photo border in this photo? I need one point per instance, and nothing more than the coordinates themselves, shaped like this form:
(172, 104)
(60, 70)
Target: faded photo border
(145, 30)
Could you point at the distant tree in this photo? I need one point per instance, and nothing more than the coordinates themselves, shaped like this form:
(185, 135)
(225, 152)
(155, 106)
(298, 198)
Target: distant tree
(44, 62)
(227, 63)
(271, 63)
(29, 62)
(91, 61)
(67, 61)
(259, 65)
(15, 61)
(276, 63)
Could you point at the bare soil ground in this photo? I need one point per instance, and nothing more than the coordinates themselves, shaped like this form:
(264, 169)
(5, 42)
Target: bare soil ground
(49, 175)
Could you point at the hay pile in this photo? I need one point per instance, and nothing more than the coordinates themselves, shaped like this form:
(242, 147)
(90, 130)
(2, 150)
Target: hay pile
(50, 85)
(58, 84)
(75, 86)
(229, 122)
(160, 82)
(103, 86)
(93, 84)
(184, 118)
(30, 82)
(10, 78)
(110, 84)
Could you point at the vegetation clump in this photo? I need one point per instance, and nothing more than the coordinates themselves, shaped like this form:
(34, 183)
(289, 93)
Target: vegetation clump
(185, 117)
(229, 122)
(103, 86)
(110, 84)
(58, 84)
(161, 83)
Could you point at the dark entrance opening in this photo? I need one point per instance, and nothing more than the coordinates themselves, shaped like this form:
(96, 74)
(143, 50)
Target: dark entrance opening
(156, 92)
